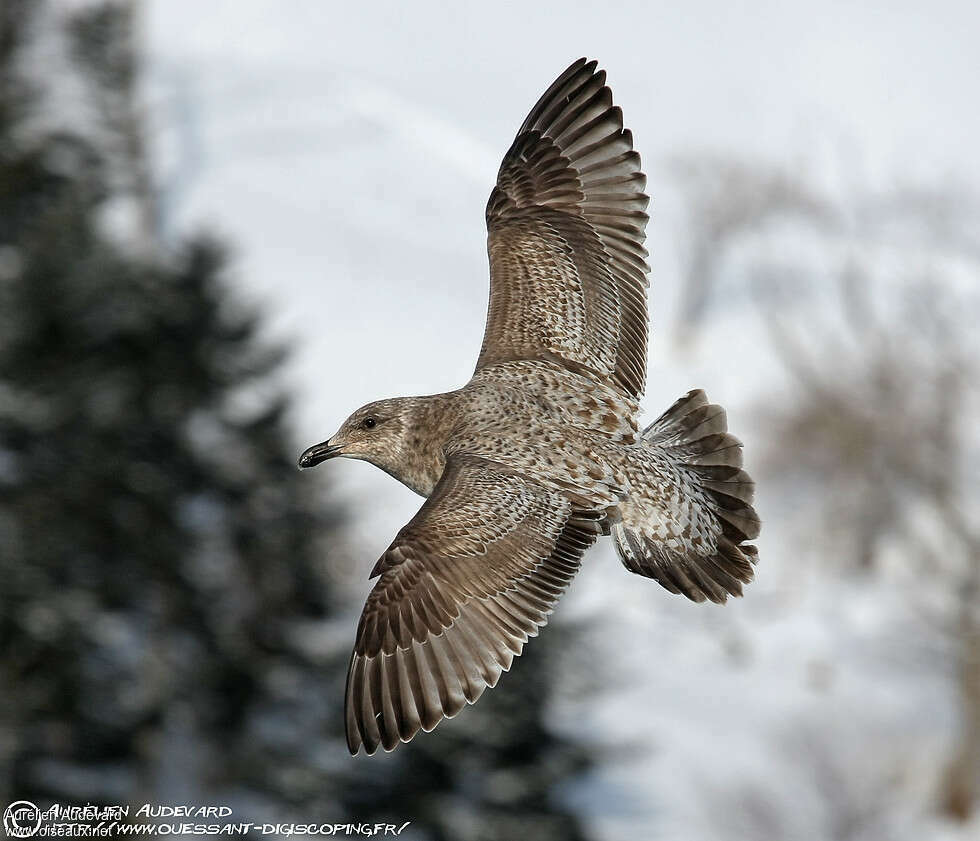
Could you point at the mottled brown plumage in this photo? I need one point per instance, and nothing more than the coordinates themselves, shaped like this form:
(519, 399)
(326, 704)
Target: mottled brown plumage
(540, 452)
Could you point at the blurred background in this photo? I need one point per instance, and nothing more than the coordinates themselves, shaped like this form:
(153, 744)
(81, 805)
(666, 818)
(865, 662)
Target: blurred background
(224, 226)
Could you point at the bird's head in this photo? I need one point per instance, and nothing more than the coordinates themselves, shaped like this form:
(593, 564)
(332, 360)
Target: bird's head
(402, 436)
(375, 433)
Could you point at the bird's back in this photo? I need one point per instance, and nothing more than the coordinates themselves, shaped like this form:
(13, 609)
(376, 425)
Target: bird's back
(547, 422)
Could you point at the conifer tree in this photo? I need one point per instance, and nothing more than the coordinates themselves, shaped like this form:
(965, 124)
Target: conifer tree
(161, 559)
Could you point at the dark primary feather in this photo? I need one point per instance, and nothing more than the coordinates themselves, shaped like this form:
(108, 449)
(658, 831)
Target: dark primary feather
(566, 225)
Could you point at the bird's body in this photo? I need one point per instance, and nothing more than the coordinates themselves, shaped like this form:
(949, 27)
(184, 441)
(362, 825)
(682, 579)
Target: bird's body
(543, 421)
(540, 452)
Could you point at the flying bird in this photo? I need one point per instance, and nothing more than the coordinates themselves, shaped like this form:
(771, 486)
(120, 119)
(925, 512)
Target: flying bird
(540, 453)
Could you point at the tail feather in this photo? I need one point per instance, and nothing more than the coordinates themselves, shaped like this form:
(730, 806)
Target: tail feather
(690, 511)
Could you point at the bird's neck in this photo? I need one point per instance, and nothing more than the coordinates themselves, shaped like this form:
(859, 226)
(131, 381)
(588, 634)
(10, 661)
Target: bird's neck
(422, 456)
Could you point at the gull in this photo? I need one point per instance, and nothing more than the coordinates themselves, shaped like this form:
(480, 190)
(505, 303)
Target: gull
(540, 453)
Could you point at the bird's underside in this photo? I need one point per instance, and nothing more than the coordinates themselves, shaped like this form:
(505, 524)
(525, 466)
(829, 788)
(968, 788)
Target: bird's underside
(540, 453)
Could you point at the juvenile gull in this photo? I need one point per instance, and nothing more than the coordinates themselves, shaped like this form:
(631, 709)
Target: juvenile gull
(540, 452)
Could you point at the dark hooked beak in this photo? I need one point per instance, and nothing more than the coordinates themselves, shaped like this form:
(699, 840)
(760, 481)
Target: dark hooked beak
(317, 453)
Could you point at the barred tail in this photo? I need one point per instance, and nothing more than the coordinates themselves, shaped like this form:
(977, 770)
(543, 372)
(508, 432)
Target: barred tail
(690, 512)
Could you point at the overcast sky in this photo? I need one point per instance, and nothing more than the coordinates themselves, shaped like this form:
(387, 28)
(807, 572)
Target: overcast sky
(347, 151)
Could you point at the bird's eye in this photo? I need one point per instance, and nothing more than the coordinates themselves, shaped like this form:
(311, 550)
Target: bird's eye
(369, 423)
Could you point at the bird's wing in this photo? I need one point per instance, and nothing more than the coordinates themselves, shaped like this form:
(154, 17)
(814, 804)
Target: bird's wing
(566, 224)
(474, 574)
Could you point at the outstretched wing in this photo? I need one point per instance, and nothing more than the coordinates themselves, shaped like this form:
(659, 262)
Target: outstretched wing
(474, 574)
(566, 225)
